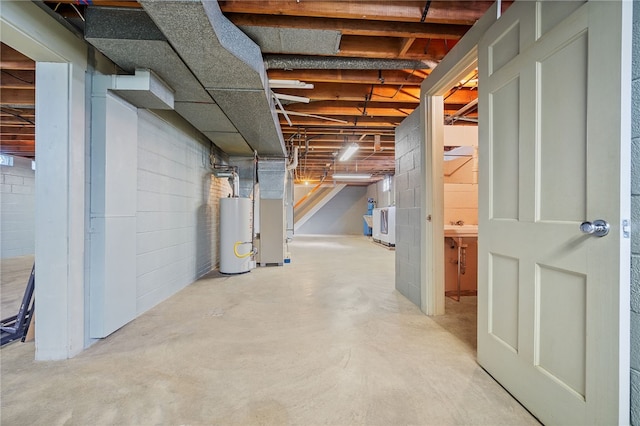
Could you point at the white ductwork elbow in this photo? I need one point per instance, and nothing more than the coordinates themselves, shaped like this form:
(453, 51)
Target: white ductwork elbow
(294, 161)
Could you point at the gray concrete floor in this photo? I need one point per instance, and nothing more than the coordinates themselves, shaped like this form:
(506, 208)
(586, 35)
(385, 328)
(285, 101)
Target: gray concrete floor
(14, 274)
(323, 340)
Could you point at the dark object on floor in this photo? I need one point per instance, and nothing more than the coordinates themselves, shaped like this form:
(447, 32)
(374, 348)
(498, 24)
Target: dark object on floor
(17, 326)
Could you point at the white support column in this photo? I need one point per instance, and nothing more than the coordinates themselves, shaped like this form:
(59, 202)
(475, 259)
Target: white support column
(60, 210)
(114, 166)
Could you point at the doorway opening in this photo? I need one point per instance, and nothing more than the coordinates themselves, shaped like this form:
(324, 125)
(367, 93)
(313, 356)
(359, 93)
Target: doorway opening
(17, 186)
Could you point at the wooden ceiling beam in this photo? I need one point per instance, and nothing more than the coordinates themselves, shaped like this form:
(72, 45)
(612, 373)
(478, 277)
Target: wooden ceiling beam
(381, 93)
(363, 164)
(405, 45)
(326, 139)
(355, 110)
(372, 163)
(11, 59)
(6, 64)
(17, 130)
(22, 146)
(352, 26)
(339, 142)
(341, 131)
(362, 123)
(9, 138)
(315, 144)
(383, 47)
(466, 12)
(361, 103)
(357, 92)
(17, 97)
(17, 79)
(390, 77)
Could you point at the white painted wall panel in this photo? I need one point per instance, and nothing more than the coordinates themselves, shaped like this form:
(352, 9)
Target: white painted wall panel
(177, 211)
(113, 213)
(60, 178)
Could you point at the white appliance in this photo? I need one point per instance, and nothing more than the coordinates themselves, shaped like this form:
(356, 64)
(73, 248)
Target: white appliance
(236, 248)
(384, 225)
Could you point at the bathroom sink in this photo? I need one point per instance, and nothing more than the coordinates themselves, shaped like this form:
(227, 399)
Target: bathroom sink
(461, 231)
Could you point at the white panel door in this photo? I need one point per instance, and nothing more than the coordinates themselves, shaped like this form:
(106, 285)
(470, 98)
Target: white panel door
(553, 301)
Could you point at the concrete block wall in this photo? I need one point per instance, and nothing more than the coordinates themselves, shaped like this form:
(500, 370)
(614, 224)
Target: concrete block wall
(177, 217)
(17, 208)
(409, 154)
(635, 222)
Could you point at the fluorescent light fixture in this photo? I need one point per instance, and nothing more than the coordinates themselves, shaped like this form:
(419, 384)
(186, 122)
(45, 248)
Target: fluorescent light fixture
(355, 176)
(348, 151)
(289, 84)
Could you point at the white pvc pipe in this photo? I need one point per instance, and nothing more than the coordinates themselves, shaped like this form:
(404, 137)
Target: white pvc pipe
(294, 161)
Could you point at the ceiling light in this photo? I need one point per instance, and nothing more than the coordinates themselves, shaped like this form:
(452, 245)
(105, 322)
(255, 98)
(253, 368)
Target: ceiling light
(349, 176)
(347, 152)
(289, 84)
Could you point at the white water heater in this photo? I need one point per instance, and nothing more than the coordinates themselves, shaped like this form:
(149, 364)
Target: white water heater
(235, 235)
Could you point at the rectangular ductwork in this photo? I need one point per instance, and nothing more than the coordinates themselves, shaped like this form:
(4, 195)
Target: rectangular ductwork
(217, 72)
(246, 174)
(144, 90)
(271, 176)
(227, 63)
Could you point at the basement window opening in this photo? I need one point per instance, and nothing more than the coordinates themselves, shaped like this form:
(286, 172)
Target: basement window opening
(386, 184)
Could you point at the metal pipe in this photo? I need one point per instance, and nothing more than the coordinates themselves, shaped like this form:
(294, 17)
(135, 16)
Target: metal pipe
(294, 161)
(235, 184)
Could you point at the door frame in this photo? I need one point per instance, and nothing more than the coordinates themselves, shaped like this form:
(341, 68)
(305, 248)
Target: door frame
(458, 63)
(61, 64)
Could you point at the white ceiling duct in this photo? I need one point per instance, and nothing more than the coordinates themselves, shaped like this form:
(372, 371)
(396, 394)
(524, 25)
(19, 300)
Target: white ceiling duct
(227, 63)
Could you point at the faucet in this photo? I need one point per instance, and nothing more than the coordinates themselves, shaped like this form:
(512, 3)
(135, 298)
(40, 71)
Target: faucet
(458, 223)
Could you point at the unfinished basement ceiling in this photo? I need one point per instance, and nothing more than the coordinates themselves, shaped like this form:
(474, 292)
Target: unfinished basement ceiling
(17, 103)
(365, 59)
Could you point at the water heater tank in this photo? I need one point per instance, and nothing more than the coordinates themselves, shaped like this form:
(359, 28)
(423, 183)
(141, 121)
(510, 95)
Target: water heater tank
(235, 235)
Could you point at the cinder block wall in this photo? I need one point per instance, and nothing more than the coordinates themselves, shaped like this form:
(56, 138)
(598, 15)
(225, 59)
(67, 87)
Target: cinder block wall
(408, 199)
(635, 220)
(17, 208)
(178, 209)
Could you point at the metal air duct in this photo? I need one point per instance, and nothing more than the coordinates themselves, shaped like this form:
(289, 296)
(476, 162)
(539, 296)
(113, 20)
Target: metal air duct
(227, 63)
